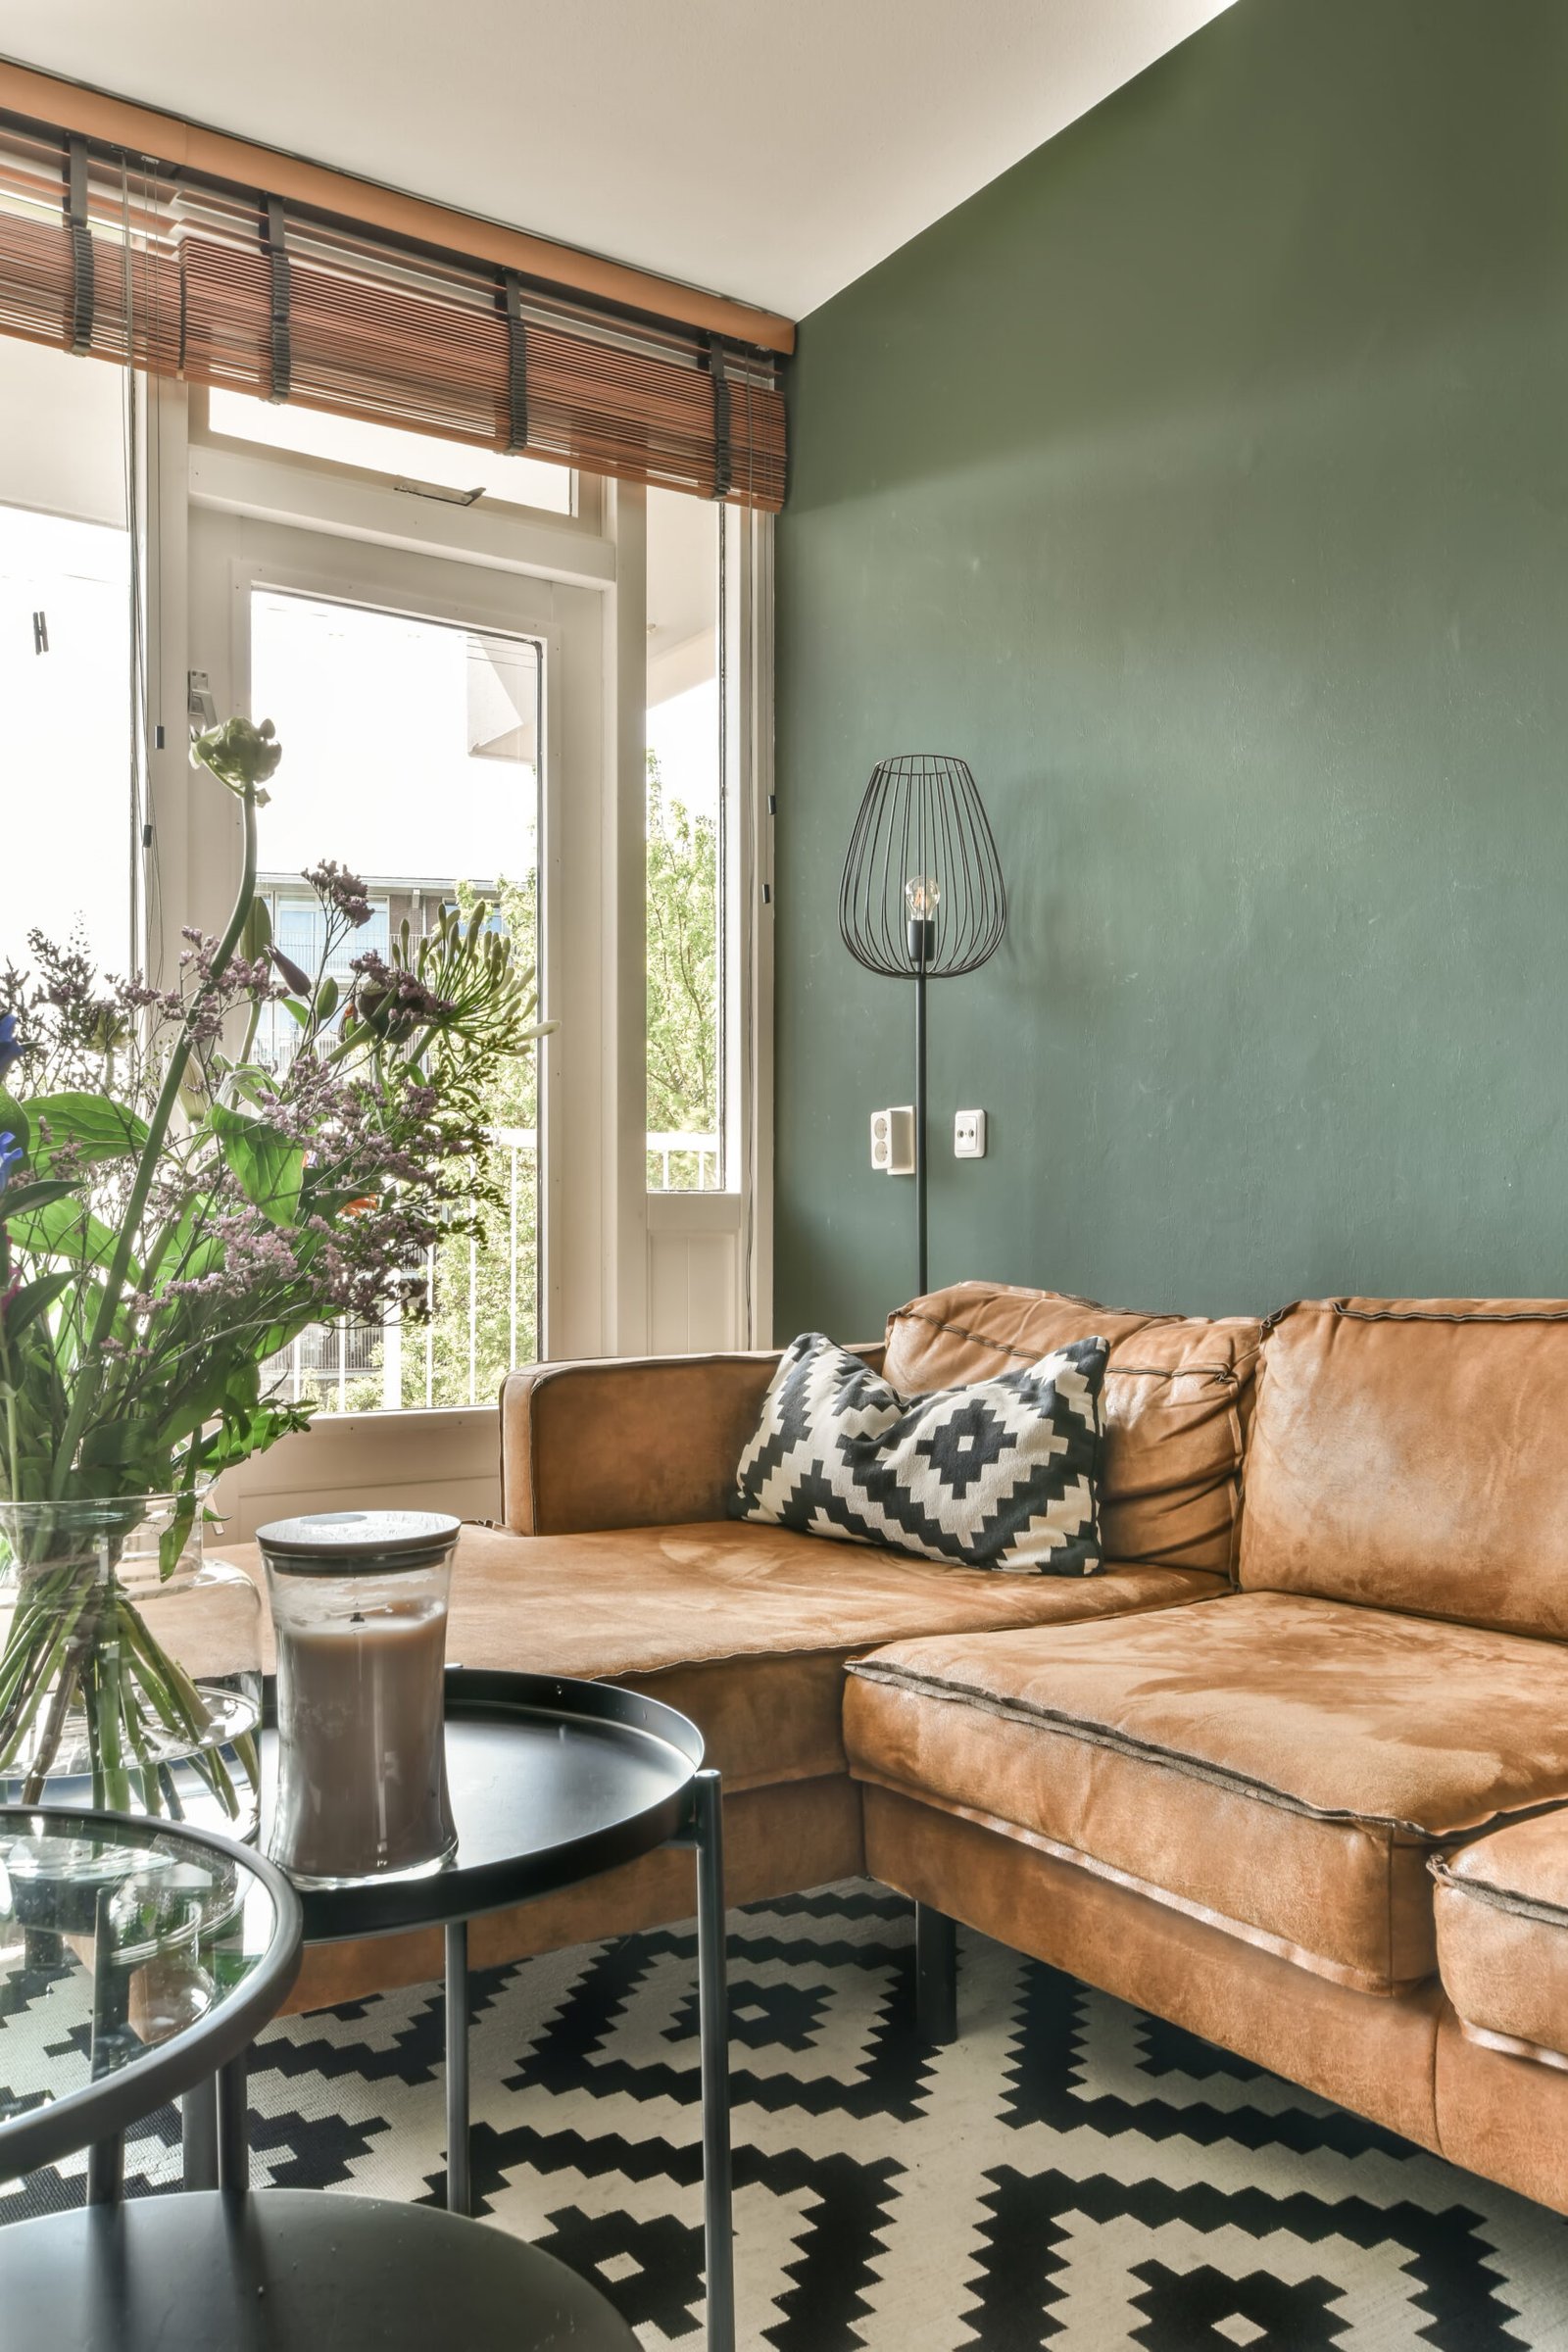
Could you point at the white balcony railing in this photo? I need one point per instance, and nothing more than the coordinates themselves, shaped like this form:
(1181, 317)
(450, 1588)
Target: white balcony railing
(356, 1366)
(700, 1148)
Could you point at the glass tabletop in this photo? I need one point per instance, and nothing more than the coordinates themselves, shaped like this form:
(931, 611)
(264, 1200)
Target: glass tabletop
(118, 1938)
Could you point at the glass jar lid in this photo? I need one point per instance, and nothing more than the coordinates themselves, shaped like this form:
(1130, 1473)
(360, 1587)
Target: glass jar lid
(349, 1542)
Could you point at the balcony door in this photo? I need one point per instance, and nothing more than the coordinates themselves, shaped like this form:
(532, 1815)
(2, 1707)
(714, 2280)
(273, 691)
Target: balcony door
(442, 727)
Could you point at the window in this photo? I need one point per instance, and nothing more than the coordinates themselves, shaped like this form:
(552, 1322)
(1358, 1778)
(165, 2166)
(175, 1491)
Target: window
(64, 658)
(414, 756)
(417, 459)
(64, 610)
(687, 924)
(446, 698)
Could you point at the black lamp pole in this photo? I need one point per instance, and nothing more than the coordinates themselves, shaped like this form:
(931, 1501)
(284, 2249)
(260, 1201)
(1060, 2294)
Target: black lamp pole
(922, 897)
(919, 1113)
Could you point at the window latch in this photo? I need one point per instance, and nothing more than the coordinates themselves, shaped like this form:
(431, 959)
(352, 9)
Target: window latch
(41, 632)
(199, 703)
(448, 498)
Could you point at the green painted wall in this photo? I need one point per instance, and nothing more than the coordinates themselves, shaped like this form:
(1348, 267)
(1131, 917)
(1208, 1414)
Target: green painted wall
(1204, 482)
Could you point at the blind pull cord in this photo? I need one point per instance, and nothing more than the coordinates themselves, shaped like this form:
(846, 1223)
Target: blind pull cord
(723, 452)
(282, 353)
(81, 253)
(516, 362)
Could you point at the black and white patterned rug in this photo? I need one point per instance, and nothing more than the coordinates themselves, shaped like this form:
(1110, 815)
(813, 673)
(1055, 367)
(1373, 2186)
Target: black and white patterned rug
(1071, 2174)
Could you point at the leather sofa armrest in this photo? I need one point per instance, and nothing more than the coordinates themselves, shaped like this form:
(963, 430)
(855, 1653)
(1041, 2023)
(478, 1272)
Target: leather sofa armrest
(628, 1441)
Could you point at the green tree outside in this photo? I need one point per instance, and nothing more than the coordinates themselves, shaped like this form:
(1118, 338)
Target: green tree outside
(683, 1039)
(683, 1063)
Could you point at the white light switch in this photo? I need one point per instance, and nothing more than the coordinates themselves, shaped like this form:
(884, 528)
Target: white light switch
(968, 1135)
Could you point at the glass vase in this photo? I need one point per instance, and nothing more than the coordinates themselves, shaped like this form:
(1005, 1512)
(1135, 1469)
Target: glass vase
(130, 1663)
(359, 1602)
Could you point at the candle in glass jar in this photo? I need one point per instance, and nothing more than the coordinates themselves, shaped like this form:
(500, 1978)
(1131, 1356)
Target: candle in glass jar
(360, 1610)
(360, 1709)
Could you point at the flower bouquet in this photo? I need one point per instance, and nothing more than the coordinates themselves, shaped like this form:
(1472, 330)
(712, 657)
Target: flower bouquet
(174, 1212)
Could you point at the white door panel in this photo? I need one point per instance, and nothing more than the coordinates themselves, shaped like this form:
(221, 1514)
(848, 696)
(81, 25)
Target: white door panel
(264, 594)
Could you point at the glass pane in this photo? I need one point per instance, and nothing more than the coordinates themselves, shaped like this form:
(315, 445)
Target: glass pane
(410, 754)
(65, 770)
(387, 449)
(685, 849)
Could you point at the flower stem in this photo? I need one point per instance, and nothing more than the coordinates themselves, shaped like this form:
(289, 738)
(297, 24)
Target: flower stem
(147, 1164)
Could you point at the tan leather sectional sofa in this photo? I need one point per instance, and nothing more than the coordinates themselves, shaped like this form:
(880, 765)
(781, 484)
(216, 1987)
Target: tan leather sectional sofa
(1293, 1773)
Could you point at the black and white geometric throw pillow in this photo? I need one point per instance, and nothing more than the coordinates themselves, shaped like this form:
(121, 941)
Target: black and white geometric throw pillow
(1001, 1474)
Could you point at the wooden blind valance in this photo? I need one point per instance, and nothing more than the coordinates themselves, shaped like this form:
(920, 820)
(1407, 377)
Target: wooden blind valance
(128, 258)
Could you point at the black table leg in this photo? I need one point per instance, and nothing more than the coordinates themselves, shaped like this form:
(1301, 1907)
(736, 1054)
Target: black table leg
(459, 2189)
(111, 2006)
(234, 2126)
(936, 1974)
(198, 2135)
(712, 1990)
(106, 2170)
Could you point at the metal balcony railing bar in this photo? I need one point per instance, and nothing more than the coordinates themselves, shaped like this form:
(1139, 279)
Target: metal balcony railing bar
(335, 1362)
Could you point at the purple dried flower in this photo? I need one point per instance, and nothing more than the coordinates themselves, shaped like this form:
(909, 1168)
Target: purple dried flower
(344, 893)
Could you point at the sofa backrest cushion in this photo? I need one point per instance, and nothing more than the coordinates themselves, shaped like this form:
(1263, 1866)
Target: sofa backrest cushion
(1176, 1400)
(1412, 1453)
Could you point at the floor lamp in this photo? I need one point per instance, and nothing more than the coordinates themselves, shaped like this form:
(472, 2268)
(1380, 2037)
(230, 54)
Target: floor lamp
(922, 895)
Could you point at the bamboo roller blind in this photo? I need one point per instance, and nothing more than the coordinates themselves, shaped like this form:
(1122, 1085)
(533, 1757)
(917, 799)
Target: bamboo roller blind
(130, 260)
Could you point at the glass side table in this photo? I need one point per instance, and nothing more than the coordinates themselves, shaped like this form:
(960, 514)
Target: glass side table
(137, 1959)
(136, 1962)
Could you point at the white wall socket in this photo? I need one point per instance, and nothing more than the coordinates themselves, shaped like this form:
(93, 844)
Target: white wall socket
(892, 1141)
(968, 1135)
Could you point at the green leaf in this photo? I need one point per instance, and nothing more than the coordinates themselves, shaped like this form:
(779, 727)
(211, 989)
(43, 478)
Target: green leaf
(34, 1298)
(62, 1228)
(280, 1336)
(221, 1386)
(93, 1125)
(185, 1252)
(18, 1201)
(253, 1433)
(116, 1444)
(268, 1168)
(172, 1542)
(257, 935)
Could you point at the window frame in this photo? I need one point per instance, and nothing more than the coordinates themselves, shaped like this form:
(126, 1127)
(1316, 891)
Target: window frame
(286, 560)
(584, 511)
(622, 1277)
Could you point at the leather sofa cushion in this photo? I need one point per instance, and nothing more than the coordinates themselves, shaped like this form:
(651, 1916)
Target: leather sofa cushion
(1502, 1938)
(1412, 1453)
(1176, 1400)
(1277, 1765)
(629, 1442)
(745, 1629)
(1506, 2119)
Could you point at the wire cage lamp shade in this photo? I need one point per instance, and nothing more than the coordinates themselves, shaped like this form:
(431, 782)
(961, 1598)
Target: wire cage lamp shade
(921, 899)
(922, 889)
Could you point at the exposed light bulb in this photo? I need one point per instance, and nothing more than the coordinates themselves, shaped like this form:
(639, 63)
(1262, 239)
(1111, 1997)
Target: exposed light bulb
(922, 893)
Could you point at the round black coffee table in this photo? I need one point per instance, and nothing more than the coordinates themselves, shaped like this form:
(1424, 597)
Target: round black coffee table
(552, 1782)
(287, 2268)
(137, 1961)
(137, 1958)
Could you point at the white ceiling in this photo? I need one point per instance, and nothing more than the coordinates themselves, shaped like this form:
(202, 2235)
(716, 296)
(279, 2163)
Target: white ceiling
(769, 149)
